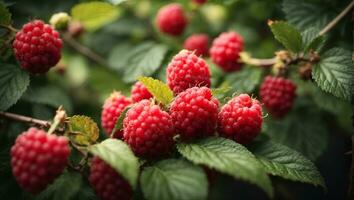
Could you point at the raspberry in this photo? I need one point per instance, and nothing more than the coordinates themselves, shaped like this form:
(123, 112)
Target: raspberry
(37, 159)
(240, 119)
(194, 113)
(148, 130)
(139, 92)
(198, 43)
(278, 95)
(199, 1)
(171, 20)
(187, 70)
(112, 109)
(225, 51)
(37, 47)
(107, 183)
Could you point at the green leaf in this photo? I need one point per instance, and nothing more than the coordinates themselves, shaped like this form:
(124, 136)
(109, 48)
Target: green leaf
(49, 95)
(287, 34)
(13, 83)
(280, 160)
(119, 56)
(334, 73)
(66, 187)
(312, 40)
(302, 130)
(174, 180)
(244, 81)
(317, 14)
(83, 130)
(119, 123)
(95, 14)
(116, 2)
(118, 155)
(144, 61)
(5, 15)
(228, 157)
(158, 89)
(221, 91)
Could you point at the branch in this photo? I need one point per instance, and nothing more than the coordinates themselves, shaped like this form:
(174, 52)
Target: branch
(84, 50)
(331, 24)
(247, 59)
(21, 118)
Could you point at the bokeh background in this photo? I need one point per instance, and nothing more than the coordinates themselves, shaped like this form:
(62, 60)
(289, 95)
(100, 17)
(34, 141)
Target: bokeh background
(81, 85)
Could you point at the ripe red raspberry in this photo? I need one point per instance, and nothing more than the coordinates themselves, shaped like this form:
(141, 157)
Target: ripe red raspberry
(171, 20)
(37, 159)
(225, 51)
(278, 95)
(107, 183)
(198, 43)
(199, 1)
(194, 113)
(140, 92)
(37, 47)
(148, 130)
(112, 108)
(240, 119)
(187, 70)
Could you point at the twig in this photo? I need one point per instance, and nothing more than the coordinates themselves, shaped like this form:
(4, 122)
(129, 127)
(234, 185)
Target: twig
(21, 118)
(331, 24)
(262, 62)
(84, 50)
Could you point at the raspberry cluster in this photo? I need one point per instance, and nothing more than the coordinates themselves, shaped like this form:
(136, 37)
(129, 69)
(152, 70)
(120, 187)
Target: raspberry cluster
(140, 92)
(148, 130)
(187, 70)
(199, 43)
(37, 47)
(278, 95)
(37, 159)
(107, 183)
(225, 51)
(194, 113)
(171, 19)
(112, 109)
(240, 119)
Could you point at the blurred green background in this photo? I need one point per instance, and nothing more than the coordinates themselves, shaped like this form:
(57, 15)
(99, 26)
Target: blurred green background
(125, 43)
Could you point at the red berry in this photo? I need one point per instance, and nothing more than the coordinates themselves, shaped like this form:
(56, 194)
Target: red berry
(112, 108)
(37, 159)
(199, 1)
(107, 183)
(240, 119)
(37, 47)
(225, 51)
(187, 70)
(140, 92)
(171, 20)
(148, 130)
(194, 113)
(198, 43)
(278, 95)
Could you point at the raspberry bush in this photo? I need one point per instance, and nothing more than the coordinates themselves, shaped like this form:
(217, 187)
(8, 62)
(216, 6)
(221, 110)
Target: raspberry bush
(178, 100)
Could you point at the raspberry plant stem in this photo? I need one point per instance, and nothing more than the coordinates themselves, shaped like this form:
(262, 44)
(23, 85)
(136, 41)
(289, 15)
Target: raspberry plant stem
(332, 23)
(84, 50)
(30, 120)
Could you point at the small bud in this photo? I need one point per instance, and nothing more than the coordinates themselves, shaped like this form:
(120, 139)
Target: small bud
(284, 56)
(305, 71)
(75, 28)
(60, 20)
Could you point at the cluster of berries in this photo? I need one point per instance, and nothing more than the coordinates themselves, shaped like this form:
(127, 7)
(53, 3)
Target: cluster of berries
(225, 49)
(194, 113)
(38, 158)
